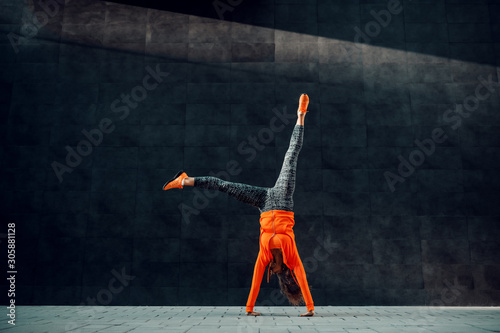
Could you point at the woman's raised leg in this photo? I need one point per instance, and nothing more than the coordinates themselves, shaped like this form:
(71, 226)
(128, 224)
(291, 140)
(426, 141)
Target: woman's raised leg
(252, 195)
(282, 192)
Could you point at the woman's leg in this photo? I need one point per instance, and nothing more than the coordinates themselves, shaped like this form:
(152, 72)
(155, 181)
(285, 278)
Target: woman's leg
(281, 195)
(286, 178)
(252, 195)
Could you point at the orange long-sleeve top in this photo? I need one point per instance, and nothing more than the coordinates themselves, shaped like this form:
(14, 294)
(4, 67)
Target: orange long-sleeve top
(276, 231)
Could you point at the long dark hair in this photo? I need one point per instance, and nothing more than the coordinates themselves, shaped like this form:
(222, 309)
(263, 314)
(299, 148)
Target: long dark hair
(289, 287)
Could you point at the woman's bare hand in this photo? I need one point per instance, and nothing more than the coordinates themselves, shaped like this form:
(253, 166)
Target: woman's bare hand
(307, 314)
(251, 313)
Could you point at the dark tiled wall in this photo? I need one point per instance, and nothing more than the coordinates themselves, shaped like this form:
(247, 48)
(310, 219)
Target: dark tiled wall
(107, 234)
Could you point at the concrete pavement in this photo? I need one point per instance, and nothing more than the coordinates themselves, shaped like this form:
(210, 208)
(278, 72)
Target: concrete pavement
(181, 319)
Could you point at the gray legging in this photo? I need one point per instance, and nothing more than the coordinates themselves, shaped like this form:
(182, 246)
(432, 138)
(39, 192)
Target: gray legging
(278, 197)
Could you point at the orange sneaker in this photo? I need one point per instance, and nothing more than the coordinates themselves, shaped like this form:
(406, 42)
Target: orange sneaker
(303, 103)
(175, 182)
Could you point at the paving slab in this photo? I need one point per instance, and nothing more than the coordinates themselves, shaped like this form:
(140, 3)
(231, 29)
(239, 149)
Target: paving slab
(186, 319)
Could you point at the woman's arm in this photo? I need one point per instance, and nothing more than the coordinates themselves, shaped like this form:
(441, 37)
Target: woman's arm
(300, 274)
(258, 273)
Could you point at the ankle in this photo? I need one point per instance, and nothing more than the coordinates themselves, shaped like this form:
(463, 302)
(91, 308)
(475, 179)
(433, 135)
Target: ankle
(300, 120)
(188, 181)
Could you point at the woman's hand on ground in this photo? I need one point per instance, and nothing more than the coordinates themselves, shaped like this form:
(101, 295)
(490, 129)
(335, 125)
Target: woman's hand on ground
(307, 314)
(251, 313)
